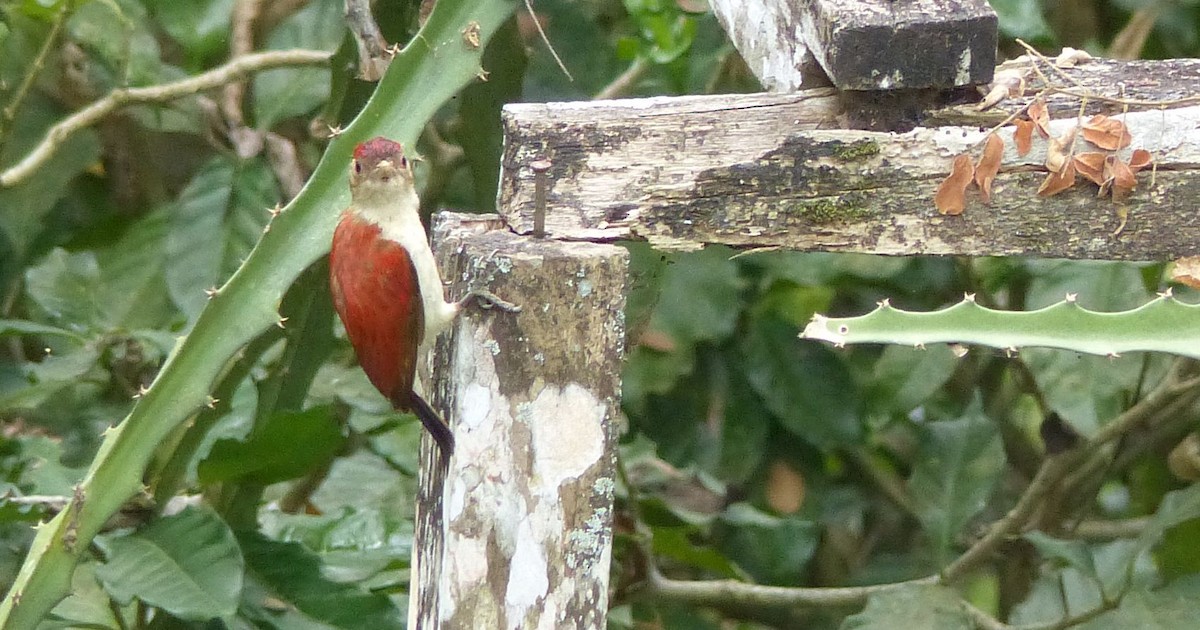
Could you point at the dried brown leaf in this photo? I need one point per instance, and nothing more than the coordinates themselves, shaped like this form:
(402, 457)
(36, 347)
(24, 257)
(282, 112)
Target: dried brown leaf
(1005, 83)
(1091, 166)
(1109, 175)
(1124, 181)
(1106, 133)
(1058, 150)
(1058, 182)
(1187, 271)
(951, 196)
(989, 165)
(1070, 57)
(1139, 160)
(1040, 116)
(1023, 135)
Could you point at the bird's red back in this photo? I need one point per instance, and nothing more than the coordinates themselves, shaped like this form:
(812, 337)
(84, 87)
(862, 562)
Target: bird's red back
(374, 284)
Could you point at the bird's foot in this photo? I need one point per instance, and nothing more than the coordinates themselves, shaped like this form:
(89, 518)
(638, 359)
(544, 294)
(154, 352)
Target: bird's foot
(488, 300)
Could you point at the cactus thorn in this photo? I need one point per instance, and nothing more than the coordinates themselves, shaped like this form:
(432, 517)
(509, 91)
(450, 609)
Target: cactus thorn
(1166, 294)
(1072, 297)
(969, 297)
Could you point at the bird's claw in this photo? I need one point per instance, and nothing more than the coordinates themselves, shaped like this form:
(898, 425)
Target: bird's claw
(488, 300)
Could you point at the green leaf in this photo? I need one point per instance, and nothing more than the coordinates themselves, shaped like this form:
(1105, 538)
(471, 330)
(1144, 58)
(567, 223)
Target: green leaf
(63, 287)
(773, 549)
(133, 291)
(701, 296)
(1085, 390)
(906, 377)
(745, 431)
(911, 608)
(44, 472)
(54, 375)
(20, 327)
(115, 288)
(364, 480)
(291, 576)
(804, 384)
(648, 371)
(822, 268)
(354, 544)
(218, 219)
(958, 465)
(200, 27)
(286, 446)
(118, 35)
(26, 205)
(1169, 608)
(88, 606)
(1097, 285)
(1023, 19)
(188, 564)
(1073, 553)
(287, 92)
(676, 543)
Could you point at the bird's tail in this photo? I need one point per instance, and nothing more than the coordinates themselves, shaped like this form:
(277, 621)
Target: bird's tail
(434, 423)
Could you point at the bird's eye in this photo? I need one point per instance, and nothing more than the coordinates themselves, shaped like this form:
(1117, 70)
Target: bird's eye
(403, 162)
(358, 167)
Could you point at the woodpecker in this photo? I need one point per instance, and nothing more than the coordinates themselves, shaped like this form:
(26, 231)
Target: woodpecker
(385, 284)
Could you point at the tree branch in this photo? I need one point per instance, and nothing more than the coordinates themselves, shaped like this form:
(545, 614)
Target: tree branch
(1057, 467)
(232, 71)
(706, 592)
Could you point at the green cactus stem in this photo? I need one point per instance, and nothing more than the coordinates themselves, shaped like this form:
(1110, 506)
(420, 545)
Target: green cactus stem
(1162, 325)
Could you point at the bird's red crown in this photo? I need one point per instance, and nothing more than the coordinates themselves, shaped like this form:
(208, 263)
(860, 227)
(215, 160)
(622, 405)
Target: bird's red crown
(375, 150)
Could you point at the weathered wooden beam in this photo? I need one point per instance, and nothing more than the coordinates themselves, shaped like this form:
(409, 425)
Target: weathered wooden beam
(864, 44)
(516, 532)
(751, 171)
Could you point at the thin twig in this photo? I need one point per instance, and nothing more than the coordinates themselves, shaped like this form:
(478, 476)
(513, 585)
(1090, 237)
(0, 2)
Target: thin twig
(538, 24)
(1111, 530)
(10, 111)
(232, 71)
(621, 85)
(1051, 470)
(373, 58)
(1117, 100)
(743, 594)
(241, 42)
(1057, 70)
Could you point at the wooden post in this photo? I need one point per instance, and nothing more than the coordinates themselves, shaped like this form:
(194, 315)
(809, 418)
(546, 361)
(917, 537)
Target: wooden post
(864, 44)
(518, 533)
(763, 170)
